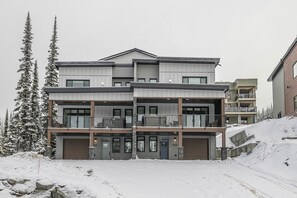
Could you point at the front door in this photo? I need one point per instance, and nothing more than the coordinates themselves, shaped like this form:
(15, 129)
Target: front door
(164, 154)
(105, 150)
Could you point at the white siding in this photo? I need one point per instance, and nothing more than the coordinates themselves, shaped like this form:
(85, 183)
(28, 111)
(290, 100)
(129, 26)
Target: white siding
(127, 96)
(96, 75)
(174, 93)
(278, 93)
(175, 71)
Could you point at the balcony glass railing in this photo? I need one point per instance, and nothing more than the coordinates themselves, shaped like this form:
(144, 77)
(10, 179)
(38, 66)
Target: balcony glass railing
(241, 109)
(192, 120)
(246, 95)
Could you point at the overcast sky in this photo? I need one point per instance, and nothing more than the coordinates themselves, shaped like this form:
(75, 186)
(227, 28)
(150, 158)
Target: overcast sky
(250, 36)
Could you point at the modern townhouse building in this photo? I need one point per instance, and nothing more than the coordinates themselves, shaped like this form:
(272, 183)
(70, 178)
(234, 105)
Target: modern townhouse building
(284, 83)
(136, 104)
(241, 101)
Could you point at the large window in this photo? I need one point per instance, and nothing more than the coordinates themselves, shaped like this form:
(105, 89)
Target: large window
(295, 103)
(294, 70)
(128, 116)
(140, 113)
(153, 143)
(140, 143)
(76, 118)
(116, 145)
(128, 145)
(194, 80)
(77, 83)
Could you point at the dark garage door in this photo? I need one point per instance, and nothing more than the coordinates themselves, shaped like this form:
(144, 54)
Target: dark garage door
(195, 148)
(76, 149)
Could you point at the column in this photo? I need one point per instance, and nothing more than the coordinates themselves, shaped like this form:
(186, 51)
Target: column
(49, 124)
(180, 127)
(50, 110)
(92, 115)
(224, 148)
(134, 135)
(91, 146)
(223, 119)
(49, 147)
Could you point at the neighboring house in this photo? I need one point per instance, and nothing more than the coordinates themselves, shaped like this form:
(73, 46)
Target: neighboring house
(136, 104)
(284, 84)
(241, 101)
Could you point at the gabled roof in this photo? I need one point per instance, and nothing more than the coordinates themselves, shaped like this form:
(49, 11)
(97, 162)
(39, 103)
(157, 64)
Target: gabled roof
(280, 63)
(128, 52)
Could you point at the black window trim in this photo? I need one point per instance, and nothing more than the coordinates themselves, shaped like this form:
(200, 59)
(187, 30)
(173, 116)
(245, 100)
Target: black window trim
(113, 112)
(137, 143)
(153, 107)
(140, 79)
(84, 80)
(205, 77)
(125, 140)
(153, 79)
(119, 146)
(153, 140)
(117, 82)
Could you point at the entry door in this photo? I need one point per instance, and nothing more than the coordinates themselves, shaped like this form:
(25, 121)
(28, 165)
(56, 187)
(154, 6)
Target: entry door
(105, 150)
(164, 149)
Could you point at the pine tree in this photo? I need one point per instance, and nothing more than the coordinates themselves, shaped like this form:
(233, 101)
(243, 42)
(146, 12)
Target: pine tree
(51, 78)
(22, 119)
(9, 144)
(5, 129)
(37, 137)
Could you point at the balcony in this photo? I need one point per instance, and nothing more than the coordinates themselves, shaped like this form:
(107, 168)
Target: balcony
(154, 121)
(241, 109)
(245, 96)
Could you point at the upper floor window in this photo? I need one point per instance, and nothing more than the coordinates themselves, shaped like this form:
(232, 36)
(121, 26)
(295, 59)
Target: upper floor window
(117, 84)
(141, 79)
(295, 70)
(153, 80)
(128, 84)
(195, 80)
(153, 110)
(77, 83)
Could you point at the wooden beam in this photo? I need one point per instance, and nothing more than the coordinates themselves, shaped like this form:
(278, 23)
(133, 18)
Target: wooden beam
(92, 114)
(50, 112)
(93, 130)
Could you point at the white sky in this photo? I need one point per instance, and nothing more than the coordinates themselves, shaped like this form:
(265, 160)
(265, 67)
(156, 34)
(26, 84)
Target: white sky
(250, 36)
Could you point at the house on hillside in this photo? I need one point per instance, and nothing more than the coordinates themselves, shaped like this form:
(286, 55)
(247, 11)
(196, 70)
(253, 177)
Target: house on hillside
(284, 83)
(241, 101)
(136, 104)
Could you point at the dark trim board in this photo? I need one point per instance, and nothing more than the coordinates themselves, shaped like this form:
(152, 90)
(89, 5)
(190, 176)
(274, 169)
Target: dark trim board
(87, 89)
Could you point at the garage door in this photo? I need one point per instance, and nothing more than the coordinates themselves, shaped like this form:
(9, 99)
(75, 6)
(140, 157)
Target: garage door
(76, 149)
(195, 148)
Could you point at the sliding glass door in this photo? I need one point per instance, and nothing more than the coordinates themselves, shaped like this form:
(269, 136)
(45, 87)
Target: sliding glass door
(195, 116)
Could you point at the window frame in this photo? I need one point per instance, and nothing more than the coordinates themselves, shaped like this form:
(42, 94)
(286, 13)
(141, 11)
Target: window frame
(150, 140)
(150, 111)
(113, 142)
(127, 84)
(140, 114)
(126, 110)
(198, 77)
(82, 80)
(141, 79)
(153, 79)
(113, 113)
(114, 84)
(126, 141)
(137, 148)
(295, 103)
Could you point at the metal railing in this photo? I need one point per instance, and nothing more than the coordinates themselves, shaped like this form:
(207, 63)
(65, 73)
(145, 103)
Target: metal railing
(246, 95)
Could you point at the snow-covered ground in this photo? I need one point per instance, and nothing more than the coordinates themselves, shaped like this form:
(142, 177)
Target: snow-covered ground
(270, 171)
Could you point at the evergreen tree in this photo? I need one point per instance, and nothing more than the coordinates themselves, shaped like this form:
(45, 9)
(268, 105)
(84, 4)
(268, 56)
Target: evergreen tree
(51, 78)
(37, 137)
(22, 126)
(9, 144)
(5, 129)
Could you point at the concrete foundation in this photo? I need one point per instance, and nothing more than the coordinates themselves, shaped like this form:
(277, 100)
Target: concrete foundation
(49, 151)
(180, 150)
(92, 153)
(224, 153)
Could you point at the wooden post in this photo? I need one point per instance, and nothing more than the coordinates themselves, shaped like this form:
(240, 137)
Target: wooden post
(223, 112)
(92, 120)
(50, 110)
(49, 138)
(224, 138)
(91, 145)
(180, 112)
(180, 138)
